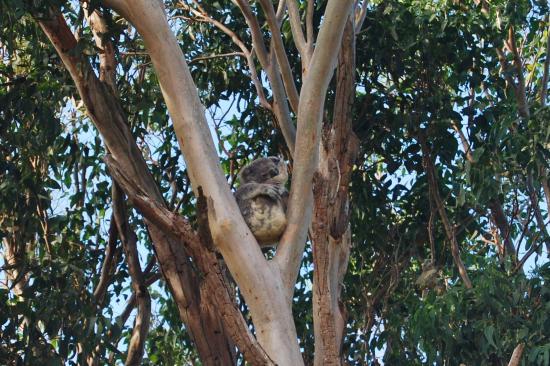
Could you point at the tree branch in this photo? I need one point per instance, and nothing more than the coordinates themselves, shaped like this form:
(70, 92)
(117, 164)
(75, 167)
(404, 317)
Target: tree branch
(496, 207)
(434, 193)
(108, 265)
(280, 53)
(280, 108)
(258, 280)
(246, 52)
(298, 34)
(220, 55)
(107, 62)
(360, 14)
(465, 144)
(505, 69)
(309, 25)
(516, 355)
(521, 94)
(128, 238)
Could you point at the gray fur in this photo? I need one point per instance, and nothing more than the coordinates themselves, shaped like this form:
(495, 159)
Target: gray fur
(262, 198)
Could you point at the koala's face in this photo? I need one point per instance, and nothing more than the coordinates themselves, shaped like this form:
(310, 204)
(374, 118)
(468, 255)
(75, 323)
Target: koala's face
(265, 170)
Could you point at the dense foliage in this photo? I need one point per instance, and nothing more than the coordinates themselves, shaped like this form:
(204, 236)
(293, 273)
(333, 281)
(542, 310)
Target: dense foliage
(427, 73)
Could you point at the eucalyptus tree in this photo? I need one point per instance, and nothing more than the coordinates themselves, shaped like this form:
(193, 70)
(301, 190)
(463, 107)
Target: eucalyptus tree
(187, 261)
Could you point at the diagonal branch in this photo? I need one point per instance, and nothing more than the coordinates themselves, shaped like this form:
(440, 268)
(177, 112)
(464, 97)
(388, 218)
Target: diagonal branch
(503, 227)
(107, 66)
(521, 94)
(108, 265)
(360, 14)
(235, 38)
(496, 207)
(107, 62)
(505, 69)
(515, 360)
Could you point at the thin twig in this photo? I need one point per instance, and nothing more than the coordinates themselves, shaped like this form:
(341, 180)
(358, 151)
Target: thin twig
(248, 54)
(280, 107)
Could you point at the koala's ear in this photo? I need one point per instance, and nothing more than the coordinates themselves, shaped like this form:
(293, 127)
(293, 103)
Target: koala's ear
(241, 176)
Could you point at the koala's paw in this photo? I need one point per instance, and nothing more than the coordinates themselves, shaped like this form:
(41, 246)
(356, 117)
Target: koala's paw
(271, 192)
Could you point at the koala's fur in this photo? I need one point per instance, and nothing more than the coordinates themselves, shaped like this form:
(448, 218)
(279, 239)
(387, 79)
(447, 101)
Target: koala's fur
(262, 198)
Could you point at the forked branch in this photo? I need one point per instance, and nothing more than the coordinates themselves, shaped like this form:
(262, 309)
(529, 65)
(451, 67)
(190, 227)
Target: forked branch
(258, 280)
(205, 258)
(312, 99)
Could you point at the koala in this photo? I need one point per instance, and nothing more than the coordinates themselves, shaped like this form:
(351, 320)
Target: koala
(262, 198)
